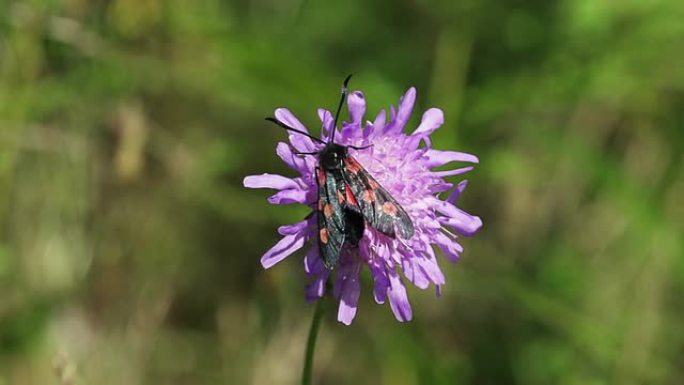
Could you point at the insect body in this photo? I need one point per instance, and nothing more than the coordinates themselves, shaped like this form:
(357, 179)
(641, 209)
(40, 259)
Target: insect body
(348, 197)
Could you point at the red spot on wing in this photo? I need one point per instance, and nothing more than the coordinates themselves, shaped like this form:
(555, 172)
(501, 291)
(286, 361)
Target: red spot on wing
(321, 177)
(340, 197)
(352, 165)
(369, 196)
(324, 236)
(390, 208)
(328, 210)
(350, 196)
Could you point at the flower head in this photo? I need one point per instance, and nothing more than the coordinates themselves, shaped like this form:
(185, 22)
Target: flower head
(404, 167)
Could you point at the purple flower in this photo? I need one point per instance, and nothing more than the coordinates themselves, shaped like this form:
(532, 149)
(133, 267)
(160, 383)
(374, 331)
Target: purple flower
(405, 169)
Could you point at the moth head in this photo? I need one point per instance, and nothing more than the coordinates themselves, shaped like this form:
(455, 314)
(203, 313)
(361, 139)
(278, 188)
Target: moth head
(332, 156)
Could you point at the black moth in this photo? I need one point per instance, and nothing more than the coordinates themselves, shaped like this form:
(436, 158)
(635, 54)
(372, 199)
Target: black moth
(348, 197)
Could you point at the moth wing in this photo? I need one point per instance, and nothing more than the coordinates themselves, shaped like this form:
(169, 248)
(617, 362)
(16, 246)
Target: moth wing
(377, 205)
(331, 219)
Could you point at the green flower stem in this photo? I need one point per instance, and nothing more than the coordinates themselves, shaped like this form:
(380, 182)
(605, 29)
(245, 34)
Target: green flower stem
(311, 342)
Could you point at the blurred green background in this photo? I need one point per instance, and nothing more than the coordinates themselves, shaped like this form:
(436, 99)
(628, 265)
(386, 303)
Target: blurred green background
(129, 251)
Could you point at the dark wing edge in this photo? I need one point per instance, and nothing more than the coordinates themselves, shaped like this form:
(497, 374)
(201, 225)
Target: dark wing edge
(331, 221)
(377, 205)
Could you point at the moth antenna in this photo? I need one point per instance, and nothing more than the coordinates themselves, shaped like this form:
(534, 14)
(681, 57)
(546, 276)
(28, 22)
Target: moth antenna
(339, 107)
(285, 126)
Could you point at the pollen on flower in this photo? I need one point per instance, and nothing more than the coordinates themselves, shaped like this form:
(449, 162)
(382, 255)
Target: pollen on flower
(402, 161)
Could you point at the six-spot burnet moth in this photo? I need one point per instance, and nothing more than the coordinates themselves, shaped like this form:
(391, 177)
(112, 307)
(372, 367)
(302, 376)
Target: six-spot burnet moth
(348, 197)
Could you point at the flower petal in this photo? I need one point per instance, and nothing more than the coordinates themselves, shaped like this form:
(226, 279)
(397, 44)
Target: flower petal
(379, 122)
(313, 263)
(289, 196)
(378, 125)
(440, 187)
(432, 120)
(458, 171)
(414, 273)
(287, 117)
(299, 141)
(403, 114)
(398, 299)
(349, 132)
(446, 208)
(431, 268)
(449, 247)
(301, 164)
(281, 250)
(327, 120)
(295, 227)
(438, 158)
(316, 289)
(273, 181)
(457, 192)
(406, 108)
(380, 283)
(351, 290)
(356, 102)
(463, 222)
